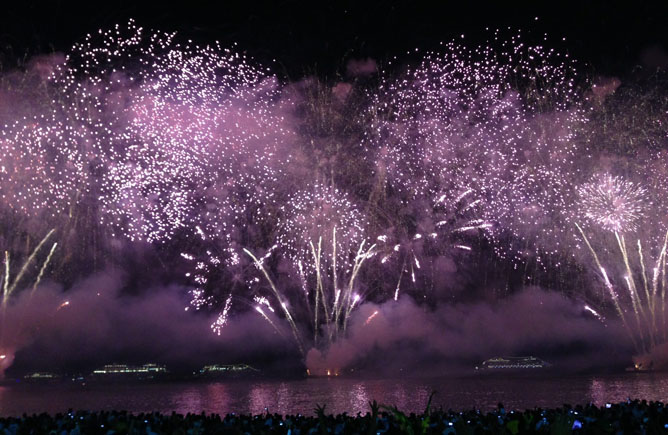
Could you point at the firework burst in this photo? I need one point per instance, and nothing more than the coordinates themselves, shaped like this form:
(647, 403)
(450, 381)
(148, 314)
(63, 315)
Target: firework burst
(613, 203)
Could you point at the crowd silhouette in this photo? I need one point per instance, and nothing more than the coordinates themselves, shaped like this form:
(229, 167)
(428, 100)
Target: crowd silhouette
(630, 417)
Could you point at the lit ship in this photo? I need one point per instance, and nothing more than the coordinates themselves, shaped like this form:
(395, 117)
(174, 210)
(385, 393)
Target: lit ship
(228, 371)
(124, 371)
(42, 377)
(512, 363)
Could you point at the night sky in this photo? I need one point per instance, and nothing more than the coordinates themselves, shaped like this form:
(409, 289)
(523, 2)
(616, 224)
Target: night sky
(308, 37)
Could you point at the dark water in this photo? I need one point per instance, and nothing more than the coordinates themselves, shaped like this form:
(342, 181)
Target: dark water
(349, 395)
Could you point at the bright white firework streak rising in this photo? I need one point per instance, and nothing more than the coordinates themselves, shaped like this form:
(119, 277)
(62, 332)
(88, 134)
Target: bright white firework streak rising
(464, 247)
(336, 300)
(608, 285)
(5, 285)
(356, 299)
(647, 291)
(9, 288)
(334, 278)
(24, 268)
(359, 260)
(43, 268)
(280, 300)
(635, 301)
(302, 277)
(396, 291)
(318, 289)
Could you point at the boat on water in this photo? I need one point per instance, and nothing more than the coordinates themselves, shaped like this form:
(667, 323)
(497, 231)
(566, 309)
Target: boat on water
(228, 371)
(641, 367)
(513, 363)
(125, 372)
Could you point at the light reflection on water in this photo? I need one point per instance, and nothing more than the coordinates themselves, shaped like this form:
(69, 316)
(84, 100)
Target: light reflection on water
(338, 394)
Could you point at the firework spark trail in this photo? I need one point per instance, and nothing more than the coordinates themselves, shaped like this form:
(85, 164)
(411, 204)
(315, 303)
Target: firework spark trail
(264, 315)
(615, 206)
(43, 268)
(332, 305)
(608, 284)
(279, 297)
(595, 313)
(223, 316)
(371, 317)
(8, 288)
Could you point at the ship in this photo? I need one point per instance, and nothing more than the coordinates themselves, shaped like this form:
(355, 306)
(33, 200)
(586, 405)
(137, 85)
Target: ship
(513, 363)
(42, 377)
(231, 371)
(122, 372)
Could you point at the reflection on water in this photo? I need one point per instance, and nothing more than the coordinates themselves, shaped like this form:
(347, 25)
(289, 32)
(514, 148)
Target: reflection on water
(650, 386)
(358, 397)
(338, 394)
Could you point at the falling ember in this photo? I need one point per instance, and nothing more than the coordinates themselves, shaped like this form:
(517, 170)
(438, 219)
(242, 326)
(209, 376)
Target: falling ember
(371, 317)
(223, 316)
(474, 227)
(594, 312)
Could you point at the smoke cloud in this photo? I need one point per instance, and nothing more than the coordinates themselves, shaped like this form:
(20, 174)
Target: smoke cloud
(95, 323)
(404, 337)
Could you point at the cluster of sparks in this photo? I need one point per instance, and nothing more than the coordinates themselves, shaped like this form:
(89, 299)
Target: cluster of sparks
(614, 203)
(496, 123)
(315, 212)
(161, 140)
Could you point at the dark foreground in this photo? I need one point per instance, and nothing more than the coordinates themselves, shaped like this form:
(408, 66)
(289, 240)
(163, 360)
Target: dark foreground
(627, 417)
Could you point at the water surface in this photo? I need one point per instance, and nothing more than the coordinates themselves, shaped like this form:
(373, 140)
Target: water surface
(339, 394)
